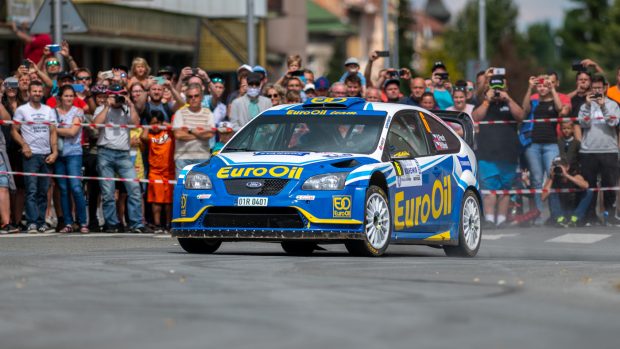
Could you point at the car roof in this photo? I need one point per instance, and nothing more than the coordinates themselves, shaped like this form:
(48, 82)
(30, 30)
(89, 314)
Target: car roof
(339, 106)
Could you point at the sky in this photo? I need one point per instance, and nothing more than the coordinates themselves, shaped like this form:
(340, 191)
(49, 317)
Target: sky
(530, 11)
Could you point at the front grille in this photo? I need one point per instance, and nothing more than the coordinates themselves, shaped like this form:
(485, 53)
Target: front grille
(253, 217)
(270, 186)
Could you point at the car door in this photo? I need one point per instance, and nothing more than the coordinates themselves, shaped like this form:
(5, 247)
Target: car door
(444, 145)
(408, 149)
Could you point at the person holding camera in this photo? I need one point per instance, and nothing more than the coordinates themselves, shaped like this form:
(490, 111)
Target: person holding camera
(567, 209)
(540, 139)
(598, 118)
(113, 157)
(441, 86)
(499, 151)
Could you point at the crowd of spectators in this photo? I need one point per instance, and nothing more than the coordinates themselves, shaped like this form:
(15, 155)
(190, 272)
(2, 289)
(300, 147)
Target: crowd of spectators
(58, 95)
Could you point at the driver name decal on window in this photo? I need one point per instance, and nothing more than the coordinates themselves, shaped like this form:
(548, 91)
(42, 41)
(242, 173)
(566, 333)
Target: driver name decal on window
(440, 142)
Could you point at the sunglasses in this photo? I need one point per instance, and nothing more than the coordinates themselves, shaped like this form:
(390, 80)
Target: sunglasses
(50, 63)
(193, 96)
(220, 80)
(82, 78)
(273, 96)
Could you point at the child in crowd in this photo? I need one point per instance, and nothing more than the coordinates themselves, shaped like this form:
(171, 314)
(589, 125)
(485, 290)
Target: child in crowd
(568, 145)
(352, 66)
(224, 133)
(161, 167)
(293, 65)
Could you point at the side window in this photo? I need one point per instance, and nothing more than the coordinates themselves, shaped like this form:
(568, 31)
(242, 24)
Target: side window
(405, 139)
(440, 137)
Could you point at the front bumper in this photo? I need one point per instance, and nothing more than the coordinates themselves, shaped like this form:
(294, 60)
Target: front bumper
(267, 235)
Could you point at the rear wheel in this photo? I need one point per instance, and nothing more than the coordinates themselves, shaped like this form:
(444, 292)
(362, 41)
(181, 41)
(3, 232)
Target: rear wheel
(377, 226)
(470, 231)
(299, 248)
(200, 246)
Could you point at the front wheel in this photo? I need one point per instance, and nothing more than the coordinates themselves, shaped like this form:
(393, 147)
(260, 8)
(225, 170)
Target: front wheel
(199, 246)
(377, 226)
(470, 230)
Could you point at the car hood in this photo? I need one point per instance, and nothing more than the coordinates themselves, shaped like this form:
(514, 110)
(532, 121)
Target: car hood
(293, 165)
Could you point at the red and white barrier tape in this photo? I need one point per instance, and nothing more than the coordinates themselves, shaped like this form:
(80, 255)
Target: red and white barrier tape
(160, 127)
(125, 126)
(151, 181)
(540, 191)
(159, 181)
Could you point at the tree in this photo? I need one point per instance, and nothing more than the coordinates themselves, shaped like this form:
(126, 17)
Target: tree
(405, 40)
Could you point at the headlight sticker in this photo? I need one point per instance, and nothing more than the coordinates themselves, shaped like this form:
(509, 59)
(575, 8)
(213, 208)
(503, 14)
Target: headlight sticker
(341, 206)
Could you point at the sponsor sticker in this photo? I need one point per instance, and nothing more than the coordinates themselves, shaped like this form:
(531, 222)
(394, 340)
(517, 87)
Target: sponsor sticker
(183, 205)
(305, 197)
(334, 156)
(411, 175)
(289, 153)
(203, 196)
(465, 163)
(342, 206)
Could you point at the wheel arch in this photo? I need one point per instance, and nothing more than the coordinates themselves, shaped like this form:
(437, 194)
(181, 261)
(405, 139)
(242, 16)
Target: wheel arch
(378, 179)
(477, 192)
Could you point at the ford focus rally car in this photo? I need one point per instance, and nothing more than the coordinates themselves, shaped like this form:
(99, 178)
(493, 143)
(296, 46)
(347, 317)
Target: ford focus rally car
(336, 170)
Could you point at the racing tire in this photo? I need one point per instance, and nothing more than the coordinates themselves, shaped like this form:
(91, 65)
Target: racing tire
(470, 228)
(199, 246)
(377, 226)
(299, 248)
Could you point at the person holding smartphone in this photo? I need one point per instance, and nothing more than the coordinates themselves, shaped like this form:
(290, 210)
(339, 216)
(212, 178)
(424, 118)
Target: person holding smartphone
(441, 87)
(598, 118)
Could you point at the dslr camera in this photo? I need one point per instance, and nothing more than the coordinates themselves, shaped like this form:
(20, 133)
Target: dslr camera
(596, 95)
(119, 99)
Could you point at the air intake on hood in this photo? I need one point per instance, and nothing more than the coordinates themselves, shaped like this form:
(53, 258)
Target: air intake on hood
(346, 163)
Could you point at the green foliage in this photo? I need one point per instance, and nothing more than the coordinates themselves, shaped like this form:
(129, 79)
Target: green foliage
(336, 64)
(405, 43)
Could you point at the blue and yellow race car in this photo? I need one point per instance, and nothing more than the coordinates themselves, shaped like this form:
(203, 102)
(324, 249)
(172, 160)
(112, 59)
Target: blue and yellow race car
(336, 170)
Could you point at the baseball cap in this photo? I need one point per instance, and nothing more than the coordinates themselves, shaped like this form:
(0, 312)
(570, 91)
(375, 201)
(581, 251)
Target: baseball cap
(10, 81)
(224, 127)
(115, 89)
(321, 83)
(254, 78)
(245, 67)
(65, 75)
(351, 60)
(309, 87)
(437, 65)
(391, 81)
(259, 69)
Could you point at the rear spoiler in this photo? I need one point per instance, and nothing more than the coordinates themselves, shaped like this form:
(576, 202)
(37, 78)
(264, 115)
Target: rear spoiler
(461, 118)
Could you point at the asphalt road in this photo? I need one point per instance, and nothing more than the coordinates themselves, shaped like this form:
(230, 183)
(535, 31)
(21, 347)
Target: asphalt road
(532, 288)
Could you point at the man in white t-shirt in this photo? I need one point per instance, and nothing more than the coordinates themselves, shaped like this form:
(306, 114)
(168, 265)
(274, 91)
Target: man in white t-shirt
(39, 148)
(194, 126)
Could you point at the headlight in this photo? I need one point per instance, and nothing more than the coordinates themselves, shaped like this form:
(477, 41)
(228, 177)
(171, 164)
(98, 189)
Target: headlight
(197, 180)
(329, 181)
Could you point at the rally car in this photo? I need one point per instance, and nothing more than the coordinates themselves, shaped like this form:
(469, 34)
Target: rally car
(336, 170)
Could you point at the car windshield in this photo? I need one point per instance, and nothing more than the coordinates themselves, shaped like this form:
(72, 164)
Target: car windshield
(342, 134)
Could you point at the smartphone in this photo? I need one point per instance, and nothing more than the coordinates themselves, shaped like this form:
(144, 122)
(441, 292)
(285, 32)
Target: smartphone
(159, 80)
(53, 48)
(578, 67)
(499, 71)
(541, 81)
(403, 71)
(108, 74)
(443, 76)
(79, 88)
(194, 71)
(597, 95)
(382, 53)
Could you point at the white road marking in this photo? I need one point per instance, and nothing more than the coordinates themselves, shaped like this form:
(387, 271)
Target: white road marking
(497, 236)
(578, 238)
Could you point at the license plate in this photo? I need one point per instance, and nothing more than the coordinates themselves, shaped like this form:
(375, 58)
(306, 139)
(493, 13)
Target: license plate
(245, 201)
